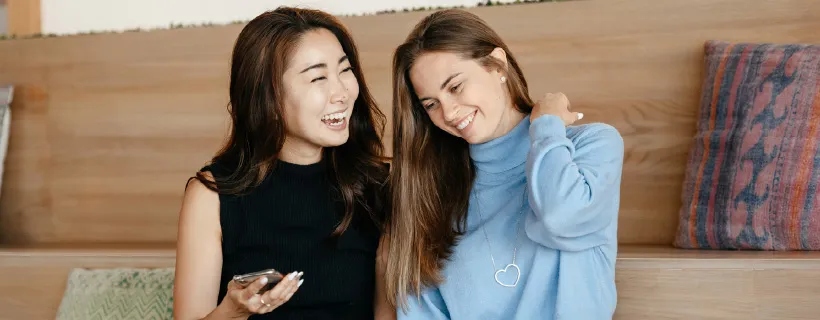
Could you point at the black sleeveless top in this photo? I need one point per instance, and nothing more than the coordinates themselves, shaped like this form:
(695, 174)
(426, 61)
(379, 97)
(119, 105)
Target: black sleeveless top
(286, 224)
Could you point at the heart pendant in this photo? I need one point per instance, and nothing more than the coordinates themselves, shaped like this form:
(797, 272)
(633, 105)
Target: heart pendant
(517, 275)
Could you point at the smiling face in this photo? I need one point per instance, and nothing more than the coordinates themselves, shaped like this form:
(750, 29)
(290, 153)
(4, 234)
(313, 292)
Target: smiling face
(320, 90)
(463, 96)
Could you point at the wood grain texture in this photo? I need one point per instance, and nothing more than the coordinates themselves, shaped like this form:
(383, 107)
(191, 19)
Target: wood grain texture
(23, 17)
(725, 294)
(653, 282)
(657, 282)
(107, 128)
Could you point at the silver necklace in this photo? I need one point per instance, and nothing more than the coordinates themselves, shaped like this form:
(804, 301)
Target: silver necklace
(512, 266)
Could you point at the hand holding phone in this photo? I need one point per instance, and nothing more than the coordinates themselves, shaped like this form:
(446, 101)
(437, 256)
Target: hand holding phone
(248, 295)
(246, 279)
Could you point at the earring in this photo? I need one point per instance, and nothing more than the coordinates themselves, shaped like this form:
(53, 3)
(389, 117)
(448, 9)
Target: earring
(503, 79)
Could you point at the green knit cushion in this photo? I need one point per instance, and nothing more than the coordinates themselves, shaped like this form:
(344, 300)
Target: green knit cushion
(118, 294)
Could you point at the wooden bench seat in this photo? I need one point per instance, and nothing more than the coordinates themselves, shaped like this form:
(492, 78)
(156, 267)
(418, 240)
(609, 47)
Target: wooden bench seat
(665, 283)
(652, 280)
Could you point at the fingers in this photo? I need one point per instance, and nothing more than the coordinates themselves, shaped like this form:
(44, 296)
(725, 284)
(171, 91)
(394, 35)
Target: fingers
(241, 295)
(249, 298)
(232, 285)
(563, 107)
(255, 303)
(573, 117)
(556, 104)
(284, 290)
(265, 304)
(255, 286)
(272, 299)
(557, 97)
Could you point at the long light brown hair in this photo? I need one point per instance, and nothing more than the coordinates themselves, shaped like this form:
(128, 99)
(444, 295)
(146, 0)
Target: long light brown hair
(260, 57)
(432, 171)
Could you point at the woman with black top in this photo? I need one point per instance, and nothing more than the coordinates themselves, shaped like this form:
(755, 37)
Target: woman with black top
(298, 186)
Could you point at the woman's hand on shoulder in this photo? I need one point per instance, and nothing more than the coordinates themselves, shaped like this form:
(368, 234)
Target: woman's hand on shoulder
(556, 104)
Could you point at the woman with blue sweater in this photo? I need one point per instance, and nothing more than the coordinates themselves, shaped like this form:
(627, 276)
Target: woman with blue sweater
(501, 209)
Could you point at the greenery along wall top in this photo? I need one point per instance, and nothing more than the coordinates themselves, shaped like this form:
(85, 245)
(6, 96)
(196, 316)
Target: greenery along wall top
(179, 25)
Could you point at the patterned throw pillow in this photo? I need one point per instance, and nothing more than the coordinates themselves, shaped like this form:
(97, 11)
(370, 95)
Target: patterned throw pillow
(754, 167)
(118, 294)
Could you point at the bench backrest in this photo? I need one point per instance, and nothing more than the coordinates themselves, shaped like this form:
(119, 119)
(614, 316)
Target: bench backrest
(107, 128)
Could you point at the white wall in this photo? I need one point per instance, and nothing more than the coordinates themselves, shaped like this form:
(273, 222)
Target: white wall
(4, 20)
(64, 16)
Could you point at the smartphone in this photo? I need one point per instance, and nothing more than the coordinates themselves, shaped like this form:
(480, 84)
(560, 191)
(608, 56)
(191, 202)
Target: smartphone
(273, 278)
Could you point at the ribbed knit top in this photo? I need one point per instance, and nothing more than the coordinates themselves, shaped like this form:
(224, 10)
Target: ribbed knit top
(286, 224)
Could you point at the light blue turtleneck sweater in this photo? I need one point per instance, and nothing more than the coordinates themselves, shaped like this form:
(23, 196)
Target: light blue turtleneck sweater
(557, 190)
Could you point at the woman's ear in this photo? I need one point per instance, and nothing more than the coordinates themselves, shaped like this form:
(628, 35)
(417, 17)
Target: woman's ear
(500, 55)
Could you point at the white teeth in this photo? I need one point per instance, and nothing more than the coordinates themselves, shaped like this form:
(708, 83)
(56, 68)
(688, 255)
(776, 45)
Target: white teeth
(334, 116)
(466, 122)
(334, 119)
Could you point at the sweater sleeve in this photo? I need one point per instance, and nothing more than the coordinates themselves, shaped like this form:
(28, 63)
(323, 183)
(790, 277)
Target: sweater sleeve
(430, 306)
(571, 184)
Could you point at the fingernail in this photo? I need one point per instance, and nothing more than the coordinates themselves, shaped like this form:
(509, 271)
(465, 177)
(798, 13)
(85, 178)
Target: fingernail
(292, 276)
(264, 280)
(580, 115)
(300, 283)
(300, 274)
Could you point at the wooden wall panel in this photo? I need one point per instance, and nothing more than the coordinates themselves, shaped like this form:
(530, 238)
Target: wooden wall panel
(107, 128)
(23, 17)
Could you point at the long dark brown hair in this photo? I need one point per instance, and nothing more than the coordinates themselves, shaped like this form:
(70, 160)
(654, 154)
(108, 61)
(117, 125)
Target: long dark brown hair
(260, 57)
(432, 171)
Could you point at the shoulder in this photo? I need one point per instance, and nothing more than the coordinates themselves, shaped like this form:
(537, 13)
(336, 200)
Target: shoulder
(198, 249)
(198, 191)
(596, 134)
(597, 142)
(201, 188)
(594, 130)
(200, 206)
(214, 174)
